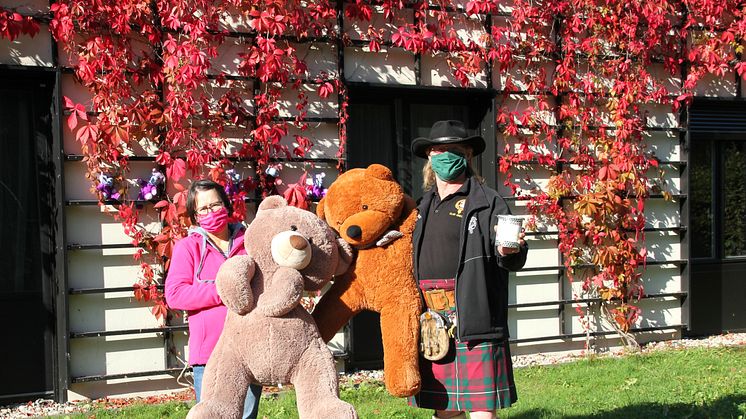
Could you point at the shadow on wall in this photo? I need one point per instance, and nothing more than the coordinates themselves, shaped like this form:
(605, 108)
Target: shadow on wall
(725, 407)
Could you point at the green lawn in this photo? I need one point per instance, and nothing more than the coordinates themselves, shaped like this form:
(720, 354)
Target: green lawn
(695, 383)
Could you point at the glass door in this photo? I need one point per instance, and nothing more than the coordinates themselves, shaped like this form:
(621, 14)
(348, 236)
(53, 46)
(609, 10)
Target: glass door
(717, 190)
(27, 229)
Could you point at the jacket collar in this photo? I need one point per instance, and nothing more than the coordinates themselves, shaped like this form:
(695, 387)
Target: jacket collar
(476, 199)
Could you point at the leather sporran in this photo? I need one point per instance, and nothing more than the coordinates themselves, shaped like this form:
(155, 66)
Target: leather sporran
(434, 339)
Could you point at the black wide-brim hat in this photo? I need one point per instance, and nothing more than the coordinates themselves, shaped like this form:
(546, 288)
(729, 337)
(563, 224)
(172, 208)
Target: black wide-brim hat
(448, 132)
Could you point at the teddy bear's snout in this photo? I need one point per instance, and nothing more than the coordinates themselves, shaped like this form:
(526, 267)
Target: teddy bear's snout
(290, 249)
(354, 232)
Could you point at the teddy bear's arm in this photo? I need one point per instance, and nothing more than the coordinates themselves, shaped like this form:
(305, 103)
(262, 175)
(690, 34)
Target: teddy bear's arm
(346, 255)
(234, 283)
(408, 217)
(282, 292)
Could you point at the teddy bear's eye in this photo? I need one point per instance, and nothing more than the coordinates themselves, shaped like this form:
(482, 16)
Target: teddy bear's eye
(365, 207)
(293, 228)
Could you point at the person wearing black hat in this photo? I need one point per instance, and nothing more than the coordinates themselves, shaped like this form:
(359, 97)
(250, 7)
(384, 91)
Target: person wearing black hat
(463, 276)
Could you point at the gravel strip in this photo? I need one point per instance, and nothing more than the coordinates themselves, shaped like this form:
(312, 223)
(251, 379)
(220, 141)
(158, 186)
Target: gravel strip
(44, 407)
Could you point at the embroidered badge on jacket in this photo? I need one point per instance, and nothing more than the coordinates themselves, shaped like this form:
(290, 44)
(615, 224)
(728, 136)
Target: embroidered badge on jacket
(459, 206)
(472, 224)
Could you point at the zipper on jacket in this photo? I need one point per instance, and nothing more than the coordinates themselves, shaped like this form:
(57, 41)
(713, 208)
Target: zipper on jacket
(461, 251)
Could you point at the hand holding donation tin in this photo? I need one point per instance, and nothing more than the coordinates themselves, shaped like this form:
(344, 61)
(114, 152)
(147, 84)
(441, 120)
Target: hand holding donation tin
(509, 234)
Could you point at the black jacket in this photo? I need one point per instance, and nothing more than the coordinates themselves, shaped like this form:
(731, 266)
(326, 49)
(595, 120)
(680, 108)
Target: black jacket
(482, 276)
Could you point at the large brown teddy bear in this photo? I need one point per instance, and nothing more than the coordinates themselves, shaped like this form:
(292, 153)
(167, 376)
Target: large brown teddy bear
(366, 207)
(269, 338)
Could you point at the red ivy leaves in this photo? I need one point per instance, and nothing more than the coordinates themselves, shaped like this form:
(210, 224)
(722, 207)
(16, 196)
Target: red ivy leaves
(598, 60)
(13, 24)
(77, 111)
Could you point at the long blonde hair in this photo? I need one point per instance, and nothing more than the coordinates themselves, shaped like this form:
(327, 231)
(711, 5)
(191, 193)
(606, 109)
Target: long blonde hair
(428, 175)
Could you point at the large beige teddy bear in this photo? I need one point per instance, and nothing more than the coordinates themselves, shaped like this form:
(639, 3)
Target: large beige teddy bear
(269, 338)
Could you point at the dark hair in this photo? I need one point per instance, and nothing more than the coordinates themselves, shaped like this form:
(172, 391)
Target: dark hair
(205, 185)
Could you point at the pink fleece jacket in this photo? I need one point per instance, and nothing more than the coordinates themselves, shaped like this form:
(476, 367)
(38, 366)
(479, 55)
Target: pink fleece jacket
(190, 286)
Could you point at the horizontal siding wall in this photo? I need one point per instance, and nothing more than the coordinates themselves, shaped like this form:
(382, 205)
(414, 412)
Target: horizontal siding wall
(552, 325)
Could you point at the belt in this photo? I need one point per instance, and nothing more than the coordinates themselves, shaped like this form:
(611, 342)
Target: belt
(439, 299)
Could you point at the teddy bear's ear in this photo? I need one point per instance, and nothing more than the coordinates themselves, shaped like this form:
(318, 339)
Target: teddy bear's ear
(379, 171)
(273, 202)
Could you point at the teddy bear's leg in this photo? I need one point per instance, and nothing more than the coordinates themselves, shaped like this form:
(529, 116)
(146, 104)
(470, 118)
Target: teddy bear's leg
(399, 329)
(337, 306)
(224, 385)
(316, 385)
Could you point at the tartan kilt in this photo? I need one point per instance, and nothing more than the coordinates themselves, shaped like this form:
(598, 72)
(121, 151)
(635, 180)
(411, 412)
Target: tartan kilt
(473, 376)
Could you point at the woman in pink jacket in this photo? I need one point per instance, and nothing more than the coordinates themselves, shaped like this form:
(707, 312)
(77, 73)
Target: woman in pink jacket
(190, 284)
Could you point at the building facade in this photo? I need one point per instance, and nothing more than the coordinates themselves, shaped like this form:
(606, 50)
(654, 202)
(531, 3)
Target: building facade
(67, 278)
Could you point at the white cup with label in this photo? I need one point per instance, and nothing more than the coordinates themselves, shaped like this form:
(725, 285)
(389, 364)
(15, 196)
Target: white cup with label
(508, 231)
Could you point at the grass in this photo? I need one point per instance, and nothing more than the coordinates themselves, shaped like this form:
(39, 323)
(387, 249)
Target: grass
(694, 383)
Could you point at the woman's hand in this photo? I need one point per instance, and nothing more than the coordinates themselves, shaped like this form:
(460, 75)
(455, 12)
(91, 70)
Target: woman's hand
(505, 251)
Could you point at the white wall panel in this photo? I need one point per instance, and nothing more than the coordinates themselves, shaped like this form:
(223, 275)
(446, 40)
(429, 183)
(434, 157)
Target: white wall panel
(534, 287)
(669, 178)
(663, 245)
(96, 312)
(357, 29)
(469, 29)
(664, 144)
(96, 356)
(436, 72)
(25, 50)
(712, 85)
(228, 60)
(318, 107)
(660, 213)
(87, 224)
(392, 66)
(234, 21)
(519, 104)
(76, 92)
(671, 82)
(529, 178)
(320, 58)
(181, 341)
(213, 92)
(658, 279)
(515, 143)
(95, 269)
(323, 135)
(522, 74)
(542, 253)
(657, 312)
(291, 172)
(533, 323)
(660, 115)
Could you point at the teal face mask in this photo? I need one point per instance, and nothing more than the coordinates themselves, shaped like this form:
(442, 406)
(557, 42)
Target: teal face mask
(448, 165)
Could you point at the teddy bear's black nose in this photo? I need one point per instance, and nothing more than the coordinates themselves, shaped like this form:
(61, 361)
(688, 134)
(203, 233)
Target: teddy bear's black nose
(354, 232)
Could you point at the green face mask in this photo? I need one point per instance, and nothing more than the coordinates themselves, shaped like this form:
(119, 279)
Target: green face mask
(448, 165)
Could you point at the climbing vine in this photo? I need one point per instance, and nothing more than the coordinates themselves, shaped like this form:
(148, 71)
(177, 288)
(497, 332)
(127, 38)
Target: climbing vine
(578, 83)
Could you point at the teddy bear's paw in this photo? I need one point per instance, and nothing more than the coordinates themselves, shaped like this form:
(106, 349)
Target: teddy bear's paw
(403, 381)
(332, 407)
(207, 410)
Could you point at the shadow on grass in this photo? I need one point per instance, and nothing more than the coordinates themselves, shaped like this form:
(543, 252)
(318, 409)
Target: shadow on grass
(732, 406)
